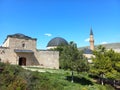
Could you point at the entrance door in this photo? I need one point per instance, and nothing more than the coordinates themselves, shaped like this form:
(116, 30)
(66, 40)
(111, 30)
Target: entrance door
(22, 61)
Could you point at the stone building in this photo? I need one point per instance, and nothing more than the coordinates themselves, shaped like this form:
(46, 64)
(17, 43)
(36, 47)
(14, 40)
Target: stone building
(21, 50)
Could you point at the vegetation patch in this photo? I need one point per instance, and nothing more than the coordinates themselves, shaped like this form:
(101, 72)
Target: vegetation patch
(16, 78)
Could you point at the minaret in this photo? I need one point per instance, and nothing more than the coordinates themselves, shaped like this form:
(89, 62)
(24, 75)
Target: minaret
(91, 40)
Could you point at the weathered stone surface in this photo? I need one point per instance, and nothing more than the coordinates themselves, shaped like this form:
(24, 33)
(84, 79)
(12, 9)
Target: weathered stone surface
(22, 51)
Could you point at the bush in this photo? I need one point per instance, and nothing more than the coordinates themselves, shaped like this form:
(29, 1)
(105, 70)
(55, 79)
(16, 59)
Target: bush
(10, 78)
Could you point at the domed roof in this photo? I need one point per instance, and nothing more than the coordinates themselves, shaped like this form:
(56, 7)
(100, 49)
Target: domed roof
(57, 41)
(20, 36)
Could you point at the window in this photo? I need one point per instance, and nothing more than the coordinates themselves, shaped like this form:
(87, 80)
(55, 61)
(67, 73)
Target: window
(23, 45)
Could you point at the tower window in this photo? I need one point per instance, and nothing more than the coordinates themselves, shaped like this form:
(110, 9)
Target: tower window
(23, 45)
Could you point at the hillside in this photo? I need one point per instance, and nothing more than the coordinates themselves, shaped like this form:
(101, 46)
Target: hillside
(107, 46)
(112, 45)
(16, 78)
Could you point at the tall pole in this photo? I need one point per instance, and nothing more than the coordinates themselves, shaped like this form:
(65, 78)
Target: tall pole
(72, 77)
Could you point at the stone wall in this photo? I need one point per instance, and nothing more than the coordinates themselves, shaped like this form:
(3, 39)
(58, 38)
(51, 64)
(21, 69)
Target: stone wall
(8, 55)
(16, 43)
(45, 59)
(48, 59)
(6, 43)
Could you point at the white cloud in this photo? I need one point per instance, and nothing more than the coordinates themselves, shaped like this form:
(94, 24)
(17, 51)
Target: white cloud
(104, 43)
(48, 34)
(87, 40)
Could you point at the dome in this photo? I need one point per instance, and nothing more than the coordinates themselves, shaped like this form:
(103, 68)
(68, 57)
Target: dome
(20, 36)
(56, 42)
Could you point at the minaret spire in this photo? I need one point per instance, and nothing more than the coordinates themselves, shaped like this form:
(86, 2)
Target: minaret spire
(91, 32)
(91, 40)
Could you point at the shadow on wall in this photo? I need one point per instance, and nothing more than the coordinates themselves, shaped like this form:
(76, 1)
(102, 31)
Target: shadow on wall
(32, 61)
(35, 61)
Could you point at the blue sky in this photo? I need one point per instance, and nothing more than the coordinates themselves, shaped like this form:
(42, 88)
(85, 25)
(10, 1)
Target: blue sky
(70, 19)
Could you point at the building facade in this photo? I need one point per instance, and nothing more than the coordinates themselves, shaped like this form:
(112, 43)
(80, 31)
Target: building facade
(21, 50)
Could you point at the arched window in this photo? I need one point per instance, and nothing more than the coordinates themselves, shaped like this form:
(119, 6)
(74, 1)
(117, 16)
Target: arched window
(23, 44)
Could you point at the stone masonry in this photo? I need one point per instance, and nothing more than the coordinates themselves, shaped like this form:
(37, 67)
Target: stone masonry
(21, 50)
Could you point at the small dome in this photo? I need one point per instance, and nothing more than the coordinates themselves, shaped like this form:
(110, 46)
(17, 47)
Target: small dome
(56, 42)
(20, 36)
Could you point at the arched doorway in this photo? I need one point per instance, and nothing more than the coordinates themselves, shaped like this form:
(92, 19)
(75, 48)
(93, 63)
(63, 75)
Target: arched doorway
(22, 61)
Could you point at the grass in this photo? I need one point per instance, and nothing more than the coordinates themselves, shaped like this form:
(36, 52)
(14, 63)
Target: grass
(20, 79)
(62, 79)
(49, 70)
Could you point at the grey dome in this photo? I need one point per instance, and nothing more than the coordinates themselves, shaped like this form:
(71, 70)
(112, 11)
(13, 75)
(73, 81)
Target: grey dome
(57, 41)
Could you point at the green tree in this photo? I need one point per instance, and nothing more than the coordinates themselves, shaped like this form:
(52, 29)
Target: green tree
(115, 59)
(71, 58)
(105, 63)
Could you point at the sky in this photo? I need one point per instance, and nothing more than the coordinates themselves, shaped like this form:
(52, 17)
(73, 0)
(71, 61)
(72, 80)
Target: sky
(69, 19)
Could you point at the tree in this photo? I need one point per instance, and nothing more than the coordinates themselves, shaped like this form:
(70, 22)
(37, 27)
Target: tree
(115, 59)
(71, 58)
(105, 63)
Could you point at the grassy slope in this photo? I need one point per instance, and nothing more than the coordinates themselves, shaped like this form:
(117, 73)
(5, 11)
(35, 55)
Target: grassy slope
(16, 78)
